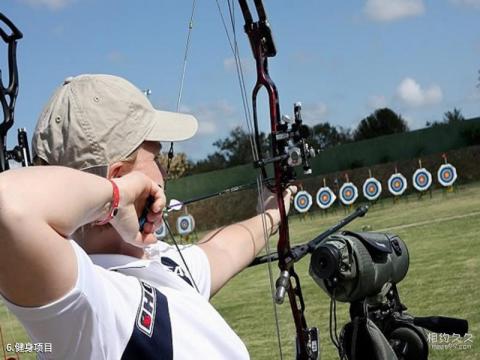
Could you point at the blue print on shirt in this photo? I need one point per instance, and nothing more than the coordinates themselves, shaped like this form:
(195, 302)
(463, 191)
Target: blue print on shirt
(176, 269)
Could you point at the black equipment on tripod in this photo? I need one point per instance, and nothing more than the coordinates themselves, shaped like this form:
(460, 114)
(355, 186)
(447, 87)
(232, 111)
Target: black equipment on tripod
(363, 269)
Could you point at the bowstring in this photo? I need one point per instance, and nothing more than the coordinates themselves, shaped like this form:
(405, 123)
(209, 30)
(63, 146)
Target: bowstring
(232, 40)
(170, 151)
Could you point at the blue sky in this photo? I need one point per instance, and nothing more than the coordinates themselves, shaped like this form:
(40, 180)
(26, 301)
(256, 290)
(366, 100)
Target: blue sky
(341, 59)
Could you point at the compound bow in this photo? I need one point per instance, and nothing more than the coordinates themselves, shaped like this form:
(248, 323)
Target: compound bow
(288, 149)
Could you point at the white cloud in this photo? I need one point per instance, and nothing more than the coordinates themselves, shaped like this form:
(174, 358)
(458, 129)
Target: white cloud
(214, 116)
(314, 113)
(467, 3)
(51, 4)
(390, 10)
(412, 94)
(230, 65)
(377, 102)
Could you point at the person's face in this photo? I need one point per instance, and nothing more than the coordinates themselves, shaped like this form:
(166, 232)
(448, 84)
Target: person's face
(147, 162)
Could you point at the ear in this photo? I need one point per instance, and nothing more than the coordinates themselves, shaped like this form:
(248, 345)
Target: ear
(117, 169)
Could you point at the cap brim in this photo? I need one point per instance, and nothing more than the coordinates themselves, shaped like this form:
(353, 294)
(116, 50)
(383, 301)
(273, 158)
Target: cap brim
(171, 126)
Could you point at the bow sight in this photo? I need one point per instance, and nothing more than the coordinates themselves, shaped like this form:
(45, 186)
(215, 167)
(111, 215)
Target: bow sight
(8, 96)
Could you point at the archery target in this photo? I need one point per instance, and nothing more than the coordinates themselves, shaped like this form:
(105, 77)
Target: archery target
(325, 197)
(372, 188)
(422, 179)
(447, 174)
(302, 201)
(348, 193)
(161, 232)
(185, 224)
(397, 184)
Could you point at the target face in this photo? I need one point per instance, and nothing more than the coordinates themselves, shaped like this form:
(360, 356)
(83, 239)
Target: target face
(348, 193)
(447, 174)
(422, 179)
(161, 232)
(185, 224)
(372, 188)
(325, 197)
(302, 201)
(397, 184)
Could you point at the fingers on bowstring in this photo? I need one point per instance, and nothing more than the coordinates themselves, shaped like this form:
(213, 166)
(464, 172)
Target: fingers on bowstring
(291, 190)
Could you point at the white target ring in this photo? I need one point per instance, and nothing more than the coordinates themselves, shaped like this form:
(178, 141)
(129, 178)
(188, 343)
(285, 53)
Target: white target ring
(348, 193)
(302, 201)
(447, 175)
(397, 184)
(325, 197)
(372, 189)
(422, 179)
(185, 224)
(161, 232)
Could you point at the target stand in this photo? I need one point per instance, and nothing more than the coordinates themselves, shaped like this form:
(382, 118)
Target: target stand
(186, 227)
(161, 232)
(303, 202)
(348, 194)
(397, 184)
(372, 189)
(325, 198)
(422, 181)
(446, 176)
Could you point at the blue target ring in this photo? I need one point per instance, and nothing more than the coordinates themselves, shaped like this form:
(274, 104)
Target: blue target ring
(302, 201)
(397, 184)
(325, 197)
(348, 193)
(447, 175)
(422, 179)
(184, 224)
(372, 188)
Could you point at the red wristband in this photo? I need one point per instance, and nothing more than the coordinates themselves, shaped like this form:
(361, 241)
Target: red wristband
(114, 205)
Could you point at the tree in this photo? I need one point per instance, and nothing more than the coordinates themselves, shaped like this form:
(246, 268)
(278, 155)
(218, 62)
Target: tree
(233, 150)
(179, 165)
(381, 122)
(453, 116)
(236, 148)
(324, 136)
(213, 161)
(449, 117)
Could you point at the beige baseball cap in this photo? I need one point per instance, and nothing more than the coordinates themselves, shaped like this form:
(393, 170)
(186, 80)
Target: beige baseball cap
(92, 121)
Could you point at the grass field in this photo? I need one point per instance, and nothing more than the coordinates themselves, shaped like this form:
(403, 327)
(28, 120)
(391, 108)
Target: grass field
(441, 233)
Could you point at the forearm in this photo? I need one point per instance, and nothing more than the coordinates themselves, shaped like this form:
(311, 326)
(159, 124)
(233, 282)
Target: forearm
(63, 198)
(230, 249)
